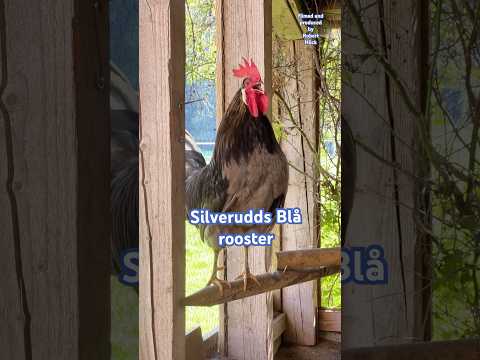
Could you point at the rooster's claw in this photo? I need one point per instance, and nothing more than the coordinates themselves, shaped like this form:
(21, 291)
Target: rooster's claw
(248, 275)
(219, 284)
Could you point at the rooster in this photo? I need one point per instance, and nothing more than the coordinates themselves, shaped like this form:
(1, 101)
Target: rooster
(248, 169)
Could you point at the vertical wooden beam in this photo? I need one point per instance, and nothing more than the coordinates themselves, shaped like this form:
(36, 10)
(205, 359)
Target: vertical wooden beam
(162, 173)
(92, 79)
(244, 29)
(371, 103)
(54, 180)
(220, 108)
(300, 302)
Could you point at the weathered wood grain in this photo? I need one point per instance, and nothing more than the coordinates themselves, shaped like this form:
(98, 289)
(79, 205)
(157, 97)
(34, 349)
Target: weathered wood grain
(220, 107)
(370, 103)
(162, 172)
(306, 259)
(244, 30)
(54, 180)
(330, 320)
(299, 302)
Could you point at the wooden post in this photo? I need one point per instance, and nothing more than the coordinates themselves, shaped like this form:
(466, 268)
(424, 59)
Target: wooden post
(244, 29)
(54, 180)
(382, 209)
(161, 185)
(300, 302)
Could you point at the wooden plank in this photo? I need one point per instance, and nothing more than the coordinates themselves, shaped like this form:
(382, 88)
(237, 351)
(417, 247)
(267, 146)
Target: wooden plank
(277, 230)
(210, 295)
(92, 79)
(437, 350)
(299, 302)
(245, 333)
(276, 345)
(330, 320)
(54, 177)
(306, 259)
(276, 247)
(370, 103)
(279, 326)
(220, 108)
(162, 172)
(194, 349)
(210, 343)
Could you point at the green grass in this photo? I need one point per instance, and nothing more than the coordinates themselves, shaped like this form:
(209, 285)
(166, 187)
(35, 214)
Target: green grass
(124, 312)
(199, 264)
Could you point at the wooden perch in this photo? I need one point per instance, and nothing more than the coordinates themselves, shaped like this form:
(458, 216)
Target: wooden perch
(307, 259)
(210, 295)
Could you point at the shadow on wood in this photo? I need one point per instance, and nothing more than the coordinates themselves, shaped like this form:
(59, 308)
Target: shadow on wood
(210, 295)
(436, 350)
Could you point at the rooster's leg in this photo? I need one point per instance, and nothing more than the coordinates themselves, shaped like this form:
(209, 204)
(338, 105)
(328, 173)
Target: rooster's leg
(246, 274)
(214, 278)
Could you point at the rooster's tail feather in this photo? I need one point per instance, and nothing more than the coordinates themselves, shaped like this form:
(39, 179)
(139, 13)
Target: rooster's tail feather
(194, 159)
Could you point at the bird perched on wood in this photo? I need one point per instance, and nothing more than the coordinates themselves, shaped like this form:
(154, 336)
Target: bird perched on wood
(248, 169)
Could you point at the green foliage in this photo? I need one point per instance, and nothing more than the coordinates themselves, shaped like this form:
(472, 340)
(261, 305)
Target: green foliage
(330, 187)
(201, 48)
(455, 204)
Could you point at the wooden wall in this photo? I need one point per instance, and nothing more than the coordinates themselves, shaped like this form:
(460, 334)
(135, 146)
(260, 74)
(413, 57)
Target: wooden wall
(55, 180)
(299, 302)
(244, 30)
(161, 184)
(384, 198)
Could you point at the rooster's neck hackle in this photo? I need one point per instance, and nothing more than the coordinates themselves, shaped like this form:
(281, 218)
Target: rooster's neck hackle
(239, 134)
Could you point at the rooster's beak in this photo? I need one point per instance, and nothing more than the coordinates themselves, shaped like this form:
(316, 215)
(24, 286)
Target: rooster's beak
(259, 87)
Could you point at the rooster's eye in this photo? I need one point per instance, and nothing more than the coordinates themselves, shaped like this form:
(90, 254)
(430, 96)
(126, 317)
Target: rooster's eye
(246, 82)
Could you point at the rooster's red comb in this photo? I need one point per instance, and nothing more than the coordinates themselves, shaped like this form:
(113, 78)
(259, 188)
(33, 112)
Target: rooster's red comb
(247, 70)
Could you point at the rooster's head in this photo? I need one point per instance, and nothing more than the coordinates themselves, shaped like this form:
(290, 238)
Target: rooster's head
(253, 94)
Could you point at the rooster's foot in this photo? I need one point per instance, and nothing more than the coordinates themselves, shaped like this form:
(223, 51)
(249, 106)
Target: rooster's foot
(220, 284)
(245, 275)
